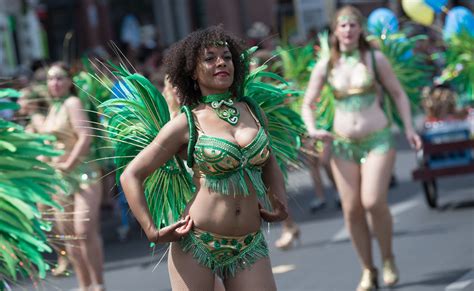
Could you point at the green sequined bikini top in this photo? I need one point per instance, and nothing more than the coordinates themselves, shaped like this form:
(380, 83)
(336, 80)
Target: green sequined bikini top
(224, 164)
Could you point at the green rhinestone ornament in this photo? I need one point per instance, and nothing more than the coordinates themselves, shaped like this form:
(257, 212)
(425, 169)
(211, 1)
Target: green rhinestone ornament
(223, 106)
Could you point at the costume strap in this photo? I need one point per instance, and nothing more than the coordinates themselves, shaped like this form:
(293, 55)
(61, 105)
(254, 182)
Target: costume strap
(384, 91)
(192, 135)
(376, 73)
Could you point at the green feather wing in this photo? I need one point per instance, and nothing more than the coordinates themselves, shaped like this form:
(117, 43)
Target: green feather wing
(24, 182)
(92, 92)
(296, 63)
(5, 93)
(410, 68)
(459, 70)
(285, 126)
(132, 123)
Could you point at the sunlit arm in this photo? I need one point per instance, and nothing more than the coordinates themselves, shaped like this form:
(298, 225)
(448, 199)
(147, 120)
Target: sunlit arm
(394, 88)
(274, 180)
(81, 125)
(313, 91)
(275, 183)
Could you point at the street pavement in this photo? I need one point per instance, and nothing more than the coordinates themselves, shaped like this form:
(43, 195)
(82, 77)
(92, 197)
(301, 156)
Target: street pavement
(433, 247)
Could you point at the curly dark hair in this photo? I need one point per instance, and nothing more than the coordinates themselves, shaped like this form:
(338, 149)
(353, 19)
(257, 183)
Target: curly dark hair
(183, 57)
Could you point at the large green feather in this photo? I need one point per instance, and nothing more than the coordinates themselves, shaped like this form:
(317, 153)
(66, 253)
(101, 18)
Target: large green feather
(132, 123)
(459, 70)
(24, 182)
(285, 126)
(410, 68)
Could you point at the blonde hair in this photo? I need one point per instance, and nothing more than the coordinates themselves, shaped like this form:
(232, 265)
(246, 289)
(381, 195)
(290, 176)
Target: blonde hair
(352, 12)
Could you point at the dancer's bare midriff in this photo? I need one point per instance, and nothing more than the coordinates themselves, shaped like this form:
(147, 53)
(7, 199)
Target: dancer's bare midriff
(358, 124)
(232, 215)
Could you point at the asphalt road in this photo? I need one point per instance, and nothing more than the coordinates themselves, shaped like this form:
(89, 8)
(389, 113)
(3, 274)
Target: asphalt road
(433, 248)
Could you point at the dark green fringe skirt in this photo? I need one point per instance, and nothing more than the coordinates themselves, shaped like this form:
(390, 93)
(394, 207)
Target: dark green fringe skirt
(225, 255)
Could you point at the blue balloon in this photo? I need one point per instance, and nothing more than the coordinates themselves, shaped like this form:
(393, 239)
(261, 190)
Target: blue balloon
(459, 18)
(436, 5)
(382, 20)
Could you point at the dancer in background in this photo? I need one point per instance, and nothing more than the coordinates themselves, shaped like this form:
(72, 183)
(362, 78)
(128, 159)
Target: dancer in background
(79, 223)
(363, 152)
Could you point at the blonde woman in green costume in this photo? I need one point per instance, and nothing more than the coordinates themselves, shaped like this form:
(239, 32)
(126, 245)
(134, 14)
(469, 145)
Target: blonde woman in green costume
(363, 153)
(69, 123)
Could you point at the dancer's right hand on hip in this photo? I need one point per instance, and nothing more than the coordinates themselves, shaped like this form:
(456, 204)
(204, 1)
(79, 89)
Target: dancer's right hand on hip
(172, 232)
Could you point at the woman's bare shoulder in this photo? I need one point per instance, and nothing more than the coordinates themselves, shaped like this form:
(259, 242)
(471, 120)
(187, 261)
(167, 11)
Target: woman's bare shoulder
(179, 123)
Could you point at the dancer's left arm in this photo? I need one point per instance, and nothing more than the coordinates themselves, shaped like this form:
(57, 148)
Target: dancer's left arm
(394, 88)
(275, 183)
(81, 125)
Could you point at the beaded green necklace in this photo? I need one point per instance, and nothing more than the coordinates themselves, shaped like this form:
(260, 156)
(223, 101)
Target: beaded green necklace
(223, 106)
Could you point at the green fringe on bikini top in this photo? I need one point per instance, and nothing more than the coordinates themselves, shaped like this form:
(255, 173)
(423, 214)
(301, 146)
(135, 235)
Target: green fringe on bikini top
(224, 164)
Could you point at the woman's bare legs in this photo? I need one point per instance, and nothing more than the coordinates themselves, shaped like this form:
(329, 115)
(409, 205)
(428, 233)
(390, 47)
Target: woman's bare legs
(348, 180)
(87, 226)
(259, 276)
(314, 166)
(376, 173)
(73, 249)
(186, 273)
(56, 242)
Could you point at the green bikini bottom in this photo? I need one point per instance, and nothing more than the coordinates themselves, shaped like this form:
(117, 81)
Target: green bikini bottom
(225, 255)
(357, 150)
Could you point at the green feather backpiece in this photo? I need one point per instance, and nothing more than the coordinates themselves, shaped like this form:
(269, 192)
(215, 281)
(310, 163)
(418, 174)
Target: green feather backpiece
(324, 113)
(92, 92)
(459, 70)
(285, 126)
(410, 69)
(132, 122)
(296, 63)
(24, 182)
